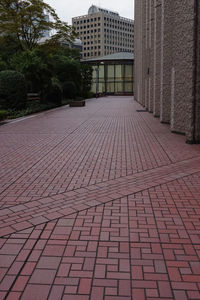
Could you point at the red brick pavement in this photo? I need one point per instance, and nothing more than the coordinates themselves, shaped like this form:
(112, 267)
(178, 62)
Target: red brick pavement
(98, 203)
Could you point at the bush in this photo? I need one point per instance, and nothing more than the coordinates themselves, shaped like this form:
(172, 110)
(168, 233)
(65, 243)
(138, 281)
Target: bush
(3, 115)
(13, 94)
(3, 65)
(79, 98)
(86, 79)
(90, 95)
(37, 73)
(54, 95)
(66, 69)
(69, 90)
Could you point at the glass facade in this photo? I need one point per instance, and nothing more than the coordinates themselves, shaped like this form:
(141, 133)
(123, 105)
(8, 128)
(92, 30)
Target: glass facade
(113, 78)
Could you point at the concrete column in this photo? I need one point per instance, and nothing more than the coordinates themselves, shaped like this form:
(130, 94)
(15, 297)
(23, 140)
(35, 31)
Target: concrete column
(151, 55)
(157, 58)
(146, 64)
(182, 88)
(196, 121)
(138, 53)
(166, 59)
(144, 53)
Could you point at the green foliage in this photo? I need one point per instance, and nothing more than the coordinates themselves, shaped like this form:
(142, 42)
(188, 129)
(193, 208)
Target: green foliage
(13, 94)
(3, 64)
(54, 95)
(9, 46)
(66, 69)
(90, 95)
(49, 69)
(37, 73)
(69, 90)
(86, 79)
(79, 98)
(26, 20)
(3, 115)
(32, 107)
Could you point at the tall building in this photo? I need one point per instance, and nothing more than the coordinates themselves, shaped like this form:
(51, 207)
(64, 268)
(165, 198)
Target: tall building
(167, 63)
(104, 32)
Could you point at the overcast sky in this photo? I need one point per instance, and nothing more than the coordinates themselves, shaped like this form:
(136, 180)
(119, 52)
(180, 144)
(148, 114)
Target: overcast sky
(66, 9)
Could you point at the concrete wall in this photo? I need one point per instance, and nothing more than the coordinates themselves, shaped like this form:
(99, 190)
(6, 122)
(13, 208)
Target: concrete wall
(197, 71)
(167, 62)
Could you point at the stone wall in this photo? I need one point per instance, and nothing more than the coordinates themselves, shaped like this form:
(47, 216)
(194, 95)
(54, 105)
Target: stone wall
(167, 62)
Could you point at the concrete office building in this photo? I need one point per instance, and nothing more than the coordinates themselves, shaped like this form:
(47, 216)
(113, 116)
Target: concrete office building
(104, 32)
(167, 63)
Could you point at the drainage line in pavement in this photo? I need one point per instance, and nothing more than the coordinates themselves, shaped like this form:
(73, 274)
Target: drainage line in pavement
(24, 263)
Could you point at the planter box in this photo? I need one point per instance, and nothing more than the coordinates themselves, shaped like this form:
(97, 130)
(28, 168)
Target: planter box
(77, 103)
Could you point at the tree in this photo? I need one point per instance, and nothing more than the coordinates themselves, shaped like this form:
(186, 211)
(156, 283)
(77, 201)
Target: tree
(9, 46)
(13, 94)
(36, 71)
(86, 79)
(27, 20)
(66, 69)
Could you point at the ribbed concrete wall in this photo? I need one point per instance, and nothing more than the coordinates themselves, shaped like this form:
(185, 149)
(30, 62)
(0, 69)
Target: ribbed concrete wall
(166, 59)
(183, 68)
(167, 68)
(197, 86)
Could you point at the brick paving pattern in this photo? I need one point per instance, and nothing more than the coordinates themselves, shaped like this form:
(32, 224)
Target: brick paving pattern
(98, 203)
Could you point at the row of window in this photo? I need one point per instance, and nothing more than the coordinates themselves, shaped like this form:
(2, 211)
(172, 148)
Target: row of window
(106, 31)
(130, 46)
(115, 32)
(119, 28)
(88, 26)
(91, 42)
(88, 54)
(87, 21)
(95, 47)
(89, 31)
(88, 48)
(119, 38)
(118, 22)
(109, 20)
(107, 23)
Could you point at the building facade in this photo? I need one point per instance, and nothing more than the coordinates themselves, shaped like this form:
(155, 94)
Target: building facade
(112, 74)
(167, 63)
(104, 32)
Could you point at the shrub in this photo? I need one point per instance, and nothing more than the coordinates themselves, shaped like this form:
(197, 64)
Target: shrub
(79, 98)
(3, 115)
(66, 69)
(54, 95)
(13, 94)
(86, 79)
(3, 65)
(90, 95)
(37, 73)
(69, 90)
